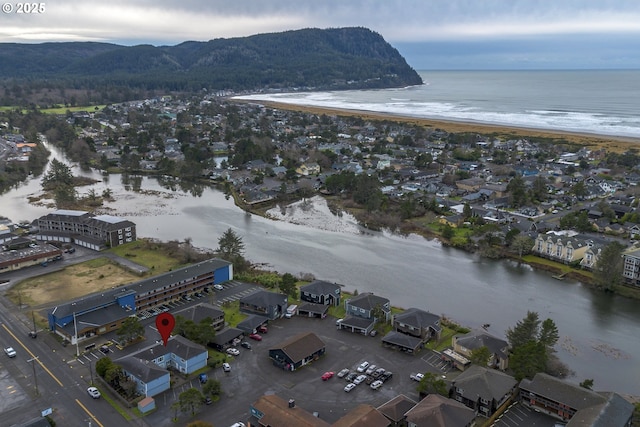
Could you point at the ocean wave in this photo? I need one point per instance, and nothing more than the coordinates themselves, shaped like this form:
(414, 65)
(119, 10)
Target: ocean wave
(596, 122)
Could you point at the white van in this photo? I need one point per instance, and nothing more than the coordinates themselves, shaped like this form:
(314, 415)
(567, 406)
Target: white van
(291, 310)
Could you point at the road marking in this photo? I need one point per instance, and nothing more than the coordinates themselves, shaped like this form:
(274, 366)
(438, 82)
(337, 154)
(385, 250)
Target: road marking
(89, 413)
(33, 356)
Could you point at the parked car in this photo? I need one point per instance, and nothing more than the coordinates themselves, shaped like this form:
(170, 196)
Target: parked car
(349, 387)
(359, 379)
(363, 366)
(218, 287)
(238, 424)
(226, 367)
(386, 376)
(343, 373)
(33, 334)
(208, 401)
(327, 375)
(10, 351)
(233, 351)
(262, 329)
(378, 372)
(255, 337)
(352, 376)
(246, 345)
(203, 378)
(376, 384)
(416, 377)
(371, 369)
(93, 392)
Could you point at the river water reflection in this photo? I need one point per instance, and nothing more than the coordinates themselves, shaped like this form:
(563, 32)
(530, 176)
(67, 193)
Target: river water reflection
(597, 332)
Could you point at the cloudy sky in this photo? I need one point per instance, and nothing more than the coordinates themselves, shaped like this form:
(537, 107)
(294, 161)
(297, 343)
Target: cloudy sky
(430, 34)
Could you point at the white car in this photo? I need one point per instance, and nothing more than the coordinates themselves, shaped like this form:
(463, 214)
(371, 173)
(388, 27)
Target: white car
(226, 367)
(371, 369)
(349, 387)
(233, 351)
(360, 379)
(10, 351)
(376, 384)
(343, 373)
(93, 392)
(416, 377)
(218, 287)
(363, 366)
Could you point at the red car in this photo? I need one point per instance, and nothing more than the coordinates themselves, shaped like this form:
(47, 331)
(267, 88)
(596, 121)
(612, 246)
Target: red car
(255, 337)
(326, 376)
(262, 329)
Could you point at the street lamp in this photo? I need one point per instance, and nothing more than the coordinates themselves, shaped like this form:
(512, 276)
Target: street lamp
(35, 377)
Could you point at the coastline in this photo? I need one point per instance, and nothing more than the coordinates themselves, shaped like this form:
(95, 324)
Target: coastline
(618, 144)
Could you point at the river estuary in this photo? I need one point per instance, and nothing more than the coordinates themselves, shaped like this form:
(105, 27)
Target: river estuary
(597, 332)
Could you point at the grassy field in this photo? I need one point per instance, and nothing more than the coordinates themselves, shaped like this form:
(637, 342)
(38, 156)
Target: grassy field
(144, 253)
(57, 110)
(72, 282)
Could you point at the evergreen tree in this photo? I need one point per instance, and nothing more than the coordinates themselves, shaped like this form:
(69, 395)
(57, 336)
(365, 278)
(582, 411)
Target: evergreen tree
(528, 359)
(607, 272)
(230, 245)
(525, 330)
(480, 356)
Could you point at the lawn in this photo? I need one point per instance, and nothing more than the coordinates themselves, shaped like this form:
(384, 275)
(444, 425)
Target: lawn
(140, 253)
(232, 315)
(445, 340)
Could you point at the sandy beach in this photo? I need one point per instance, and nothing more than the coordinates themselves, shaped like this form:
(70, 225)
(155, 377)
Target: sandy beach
(609, 143)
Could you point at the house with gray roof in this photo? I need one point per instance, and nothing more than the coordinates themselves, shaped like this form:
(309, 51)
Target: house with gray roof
(482, 389)
(204, 311)
(297, 351)
(363, 305)
(150, 378)
(271, 305)
(438, 411)
(179, 354)
(498, 348)
(395, 409)
(573, 404)
(321, 292)
(418, 323)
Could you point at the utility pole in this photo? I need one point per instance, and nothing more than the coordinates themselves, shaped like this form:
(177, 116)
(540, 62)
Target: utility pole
(33, 316)
(35, 377)
(75, 328)
(91, 371)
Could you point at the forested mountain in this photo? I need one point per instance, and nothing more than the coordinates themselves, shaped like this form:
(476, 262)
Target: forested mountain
(337, 58)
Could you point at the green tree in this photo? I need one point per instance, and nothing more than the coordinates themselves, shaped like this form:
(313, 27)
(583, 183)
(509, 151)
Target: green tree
(378, 313)
(212, 388)
(480, 356)
(588, 384)
(103, 365)
(230, 245)
(58, 174)
(466, 212)
(528, 359)
(548, 335)
(539, 189)
(432, 383)
(525, 330)
(579, 189)
(447, 231)
(190, 401)
(288, 285)
(522, 244)
(131, 329)
(607, 272)
(517, 192)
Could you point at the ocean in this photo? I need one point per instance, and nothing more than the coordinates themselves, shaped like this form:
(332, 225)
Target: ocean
(601, 102)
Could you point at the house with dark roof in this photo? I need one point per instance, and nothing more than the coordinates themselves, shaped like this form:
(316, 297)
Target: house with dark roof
(204, 311)
(309, 309)
(498, 348)
(402, 342)
(438, 411)
(418, 323)
(272, 410)
(482, 389)
(297, 351)
(364, 304)
(150, 378)
(225, 337)
(395, 409)
(271, 305)
(321, 292)
(363, 415)
(251, 323)
(573, 404)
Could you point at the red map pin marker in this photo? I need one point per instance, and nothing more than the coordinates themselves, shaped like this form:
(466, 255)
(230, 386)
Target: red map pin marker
(165, 323)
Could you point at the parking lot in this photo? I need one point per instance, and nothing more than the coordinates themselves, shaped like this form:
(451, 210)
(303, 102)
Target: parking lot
(253, 374)
(519, 415)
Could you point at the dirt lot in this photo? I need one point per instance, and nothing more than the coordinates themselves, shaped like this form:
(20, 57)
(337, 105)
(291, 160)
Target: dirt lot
(72, 282)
